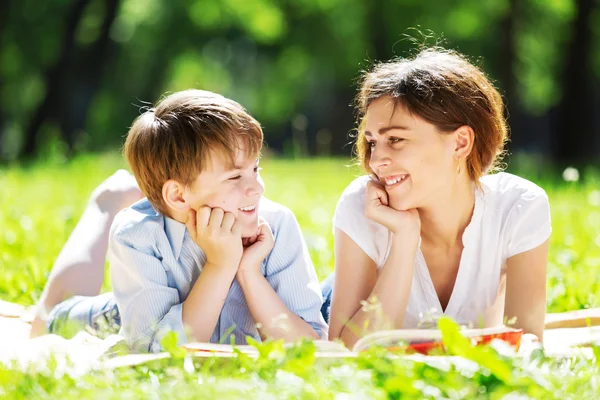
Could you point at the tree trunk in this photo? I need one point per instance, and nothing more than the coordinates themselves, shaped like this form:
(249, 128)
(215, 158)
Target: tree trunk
(4, 13)
(574, 141)
(53, 79)
(75, 103)
(378, 32)
(507, 70)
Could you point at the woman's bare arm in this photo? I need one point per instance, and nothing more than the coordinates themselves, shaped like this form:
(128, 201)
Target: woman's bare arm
(356, 281)
(526, 290)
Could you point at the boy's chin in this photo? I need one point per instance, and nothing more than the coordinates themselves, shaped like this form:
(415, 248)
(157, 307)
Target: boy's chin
(250, 229)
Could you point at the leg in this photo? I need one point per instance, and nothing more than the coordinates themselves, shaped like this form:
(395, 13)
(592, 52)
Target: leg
(99, 313)
(327, 291)
(79, 268)
(573, 319)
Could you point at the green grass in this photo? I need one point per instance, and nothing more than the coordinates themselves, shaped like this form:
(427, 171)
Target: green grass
(40, 204)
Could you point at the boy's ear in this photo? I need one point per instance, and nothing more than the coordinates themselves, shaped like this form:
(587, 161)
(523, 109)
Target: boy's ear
(464, 141)
(172, 193)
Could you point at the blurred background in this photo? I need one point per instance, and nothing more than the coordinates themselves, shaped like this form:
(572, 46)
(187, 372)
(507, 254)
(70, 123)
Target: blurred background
(74, 73)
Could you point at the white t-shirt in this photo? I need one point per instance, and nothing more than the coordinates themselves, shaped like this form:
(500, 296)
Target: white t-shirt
(511, 216)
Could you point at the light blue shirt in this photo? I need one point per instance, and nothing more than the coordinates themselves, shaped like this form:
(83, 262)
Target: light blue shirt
(154, 264)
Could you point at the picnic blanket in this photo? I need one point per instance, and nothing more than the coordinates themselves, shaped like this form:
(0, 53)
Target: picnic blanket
(568, 334)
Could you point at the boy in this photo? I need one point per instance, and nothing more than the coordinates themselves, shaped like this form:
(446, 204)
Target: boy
(204, 252)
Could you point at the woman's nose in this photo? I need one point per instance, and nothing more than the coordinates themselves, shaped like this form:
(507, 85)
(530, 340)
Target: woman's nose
(379, 159)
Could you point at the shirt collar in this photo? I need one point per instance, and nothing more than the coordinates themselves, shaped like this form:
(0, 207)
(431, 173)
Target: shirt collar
(470, 234)
(175, 233)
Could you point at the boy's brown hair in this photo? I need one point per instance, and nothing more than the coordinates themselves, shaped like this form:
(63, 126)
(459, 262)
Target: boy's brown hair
(443, 88)
(176, 139)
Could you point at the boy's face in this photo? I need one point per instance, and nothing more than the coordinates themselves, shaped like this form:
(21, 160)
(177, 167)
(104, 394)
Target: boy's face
(236, 189)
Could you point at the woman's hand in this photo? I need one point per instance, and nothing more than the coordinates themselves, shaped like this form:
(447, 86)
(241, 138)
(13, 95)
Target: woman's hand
(405, 225)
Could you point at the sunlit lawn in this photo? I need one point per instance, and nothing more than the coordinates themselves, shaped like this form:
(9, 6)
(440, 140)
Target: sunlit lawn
(39, 206)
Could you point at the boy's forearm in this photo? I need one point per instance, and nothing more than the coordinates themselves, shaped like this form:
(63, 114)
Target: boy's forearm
(269, 312)
(203, 305)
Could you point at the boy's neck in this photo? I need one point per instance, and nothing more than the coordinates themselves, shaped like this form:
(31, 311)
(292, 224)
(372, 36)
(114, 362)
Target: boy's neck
(177, 216)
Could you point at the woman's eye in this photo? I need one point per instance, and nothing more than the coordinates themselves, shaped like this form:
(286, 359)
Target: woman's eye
(396, 140)
(371, 144)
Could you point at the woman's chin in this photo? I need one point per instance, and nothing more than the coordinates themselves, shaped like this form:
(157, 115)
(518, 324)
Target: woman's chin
(401, 205)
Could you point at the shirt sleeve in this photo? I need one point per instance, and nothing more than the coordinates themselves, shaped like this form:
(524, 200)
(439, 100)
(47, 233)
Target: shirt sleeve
(349, 217)
(148, 306)
(529, 222)
(289, 270)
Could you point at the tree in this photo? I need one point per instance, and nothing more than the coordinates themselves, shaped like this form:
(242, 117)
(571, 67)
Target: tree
(79, 91)
(574, 140)
(507, 74)
(54, 77)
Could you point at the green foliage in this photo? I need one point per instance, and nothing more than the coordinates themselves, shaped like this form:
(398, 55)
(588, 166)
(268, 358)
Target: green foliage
(41, 204)
(279, 59)
(295, 373)
(38, 214)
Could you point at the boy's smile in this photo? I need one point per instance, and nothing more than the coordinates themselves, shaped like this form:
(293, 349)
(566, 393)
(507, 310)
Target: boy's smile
(248, 211)
(250, 214)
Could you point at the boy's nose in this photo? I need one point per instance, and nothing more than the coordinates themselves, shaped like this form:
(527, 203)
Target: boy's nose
(255, 188)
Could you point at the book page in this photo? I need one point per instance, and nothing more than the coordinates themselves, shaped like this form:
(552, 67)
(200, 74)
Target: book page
(321, 346)
(415, 336)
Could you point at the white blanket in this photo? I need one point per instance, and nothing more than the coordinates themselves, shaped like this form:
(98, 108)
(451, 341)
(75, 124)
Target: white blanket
(84, 351)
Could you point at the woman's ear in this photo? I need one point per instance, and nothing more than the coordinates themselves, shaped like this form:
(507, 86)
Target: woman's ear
(464, 142)
(172, 194)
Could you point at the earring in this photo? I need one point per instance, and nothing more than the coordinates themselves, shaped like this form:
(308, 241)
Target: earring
(458, 168)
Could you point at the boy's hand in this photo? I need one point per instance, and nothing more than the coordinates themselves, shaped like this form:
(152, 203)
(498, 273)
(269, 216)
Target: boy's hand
(218, 234)
(405, 224)
(256, 248)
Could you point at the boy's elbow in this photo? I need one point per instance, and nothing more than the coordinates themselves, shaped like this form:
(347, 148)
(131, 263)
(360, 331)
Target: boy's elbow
(141, 345)
(310, 334)
(316, 335)
(318, 331)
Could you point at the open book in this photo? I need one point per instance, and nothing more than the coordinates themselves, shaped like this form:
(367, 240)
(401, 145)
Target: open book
(411, 340)
(322, 346)
(425, 340)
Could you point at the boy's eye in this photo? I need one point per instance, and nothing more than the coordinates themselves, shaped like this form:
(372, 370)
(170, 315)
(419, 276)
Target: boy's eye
(257, 169)
(235, 178)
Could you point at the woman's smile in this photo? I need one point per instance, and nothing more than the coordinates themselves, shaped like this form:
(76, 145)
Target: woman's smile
(392, 181)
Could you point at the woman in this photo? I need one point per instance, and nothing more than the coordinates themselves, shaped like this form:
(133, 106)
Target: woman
(428, 232)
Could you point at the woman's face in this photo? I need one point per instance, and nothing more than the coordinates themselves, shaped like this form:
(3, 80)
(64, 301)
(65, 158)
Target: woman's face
(413, 161)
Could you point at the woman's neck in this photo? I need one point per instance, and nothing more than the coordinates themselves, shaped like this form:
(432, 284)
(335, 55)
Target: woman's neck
(446, 218)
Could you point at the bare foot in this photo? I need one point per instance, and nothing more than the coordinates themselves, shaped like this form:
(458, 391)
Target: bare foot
(116, 192)
(38, 327)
